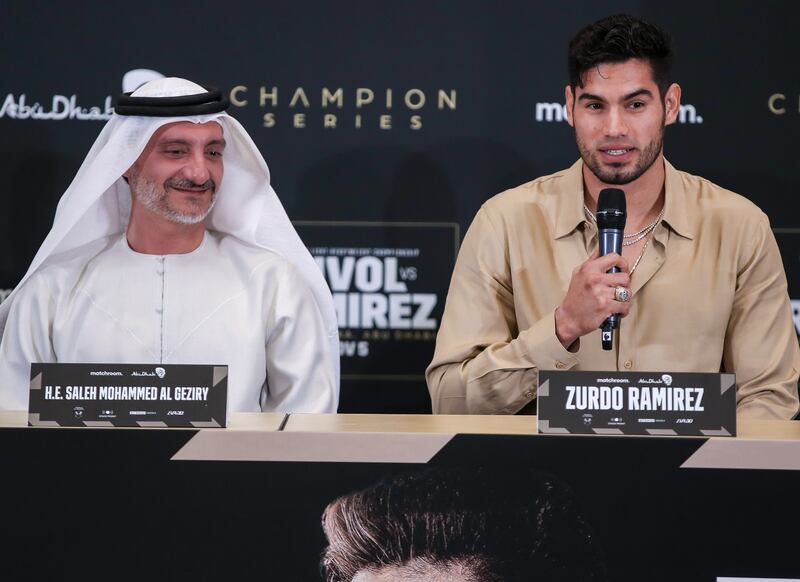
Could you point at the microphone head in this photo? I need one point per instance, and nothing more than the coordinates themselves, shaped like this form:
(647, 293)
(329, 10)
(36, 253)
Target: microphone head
(611, 209)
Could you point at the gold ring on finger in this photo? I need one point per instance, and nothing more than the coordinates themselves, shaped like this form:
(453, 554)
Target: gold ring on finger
(622, 294)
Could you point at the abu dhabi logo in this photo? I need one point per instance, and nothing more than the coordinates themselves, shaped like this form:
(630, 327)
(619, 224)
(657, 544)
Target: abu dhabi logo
(667, 379)
(61, 107)
(545, 112)
(160, 372)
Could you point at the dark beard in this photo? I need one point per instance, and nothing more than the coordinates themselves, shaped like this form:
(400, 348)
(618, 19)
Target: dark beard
(620, 177)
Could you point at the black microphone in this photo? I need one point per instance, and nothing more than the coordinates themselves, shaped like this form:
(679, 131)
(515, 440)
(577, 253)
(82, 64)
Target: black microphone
(611, 227)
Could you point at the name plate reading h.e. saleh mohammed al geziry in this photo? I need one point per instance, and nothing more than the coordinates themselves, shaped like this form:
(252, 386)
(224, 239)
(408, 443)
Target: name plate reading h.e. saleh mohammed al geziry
(640, 403)
(148, 395)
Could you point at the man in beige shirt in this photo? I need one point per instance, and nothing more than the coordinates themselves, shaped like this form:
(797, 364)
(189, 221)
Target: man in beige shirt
(529, 291)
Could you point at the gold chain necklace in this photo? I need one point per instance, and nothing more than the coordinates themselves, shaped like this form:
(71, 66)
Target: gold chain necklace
(641, 254)
(631, 239)
(647, 231)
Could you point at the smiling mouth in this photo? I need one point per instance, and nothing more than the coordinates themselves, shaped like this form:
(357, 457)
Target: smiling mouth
(192, 190)
(190, 187)
(616, 152)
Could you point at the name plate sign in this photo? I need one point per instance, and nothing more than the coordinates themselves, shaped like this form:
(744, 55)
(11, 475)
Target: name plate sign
(640, 403)
(162, 395)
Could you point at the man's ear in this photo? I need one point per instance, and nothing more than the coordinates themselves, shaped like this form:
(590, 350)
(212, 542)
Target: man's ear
(570, 100)
(672, 104)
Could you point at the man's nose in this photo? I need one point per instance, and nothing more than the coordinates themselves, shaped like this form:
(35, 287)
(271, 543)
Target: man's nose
(615, 123)
(197, 169)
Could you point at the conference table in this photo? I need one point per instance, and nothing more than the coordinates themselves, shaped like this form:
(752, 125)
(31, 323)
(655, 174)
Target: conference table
(245, 501)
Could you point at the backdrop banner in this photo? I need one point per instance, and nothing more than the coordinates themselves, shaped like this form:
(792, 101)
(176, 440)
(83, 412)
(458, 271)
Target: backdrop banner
(369, 115)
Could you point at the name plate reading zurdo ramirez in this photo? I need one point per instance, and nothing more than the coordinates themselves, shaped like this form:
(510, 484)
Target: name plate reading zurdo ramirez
(132, 395)
(638, 403)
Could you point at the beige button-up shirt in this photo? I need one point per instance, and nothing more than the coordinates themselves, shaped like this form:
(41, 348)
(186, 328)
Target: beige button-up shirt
(709, 296)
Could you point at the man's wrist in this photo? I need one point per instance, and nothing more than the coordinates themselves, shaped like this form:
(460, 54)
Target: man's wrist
(564, 331)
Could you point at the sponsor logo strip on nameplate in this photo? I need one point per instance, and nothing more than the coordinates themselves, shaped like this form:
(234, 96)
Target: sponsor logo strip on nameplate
(640, 403)
(147, 395)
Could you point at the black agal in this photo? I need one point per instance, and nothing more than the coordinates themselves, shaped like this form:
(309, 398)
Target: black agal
(211, 101)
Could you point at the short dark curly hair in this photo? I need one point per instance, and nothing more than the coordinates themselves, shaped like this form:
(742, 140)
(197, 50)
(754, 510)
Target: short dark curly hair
(490, 526)
(616, 39)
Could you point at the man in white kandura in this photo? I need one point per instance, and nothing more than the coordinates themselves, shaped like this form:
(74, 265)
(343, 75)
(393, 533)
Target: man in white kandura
(155, 258)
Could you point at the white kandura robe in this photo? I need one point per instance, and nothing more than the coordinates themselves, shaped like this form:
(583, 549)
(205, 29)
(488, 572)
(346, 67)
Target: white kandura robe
(224, 303)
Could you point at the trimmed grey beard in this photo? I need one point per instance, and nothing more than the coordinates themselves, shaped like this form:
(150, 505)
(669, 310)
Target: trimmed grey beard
(154, 198)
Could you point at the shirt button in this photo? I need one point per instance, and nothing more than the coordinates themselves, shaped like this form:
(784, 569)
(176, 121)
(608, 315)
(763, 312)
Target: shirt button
(560, 365)
(628, 364)
(529, 394)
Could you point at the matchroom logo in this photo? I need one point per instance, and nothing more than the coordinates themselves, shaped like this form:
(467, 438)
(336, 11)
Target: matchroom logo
(341, 107)
(550, 112)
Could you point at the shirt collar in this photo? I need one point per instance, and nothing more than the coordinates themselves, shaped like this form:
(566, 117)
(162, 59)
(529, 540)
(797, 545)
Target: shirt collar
(570, 213)
(678, 212)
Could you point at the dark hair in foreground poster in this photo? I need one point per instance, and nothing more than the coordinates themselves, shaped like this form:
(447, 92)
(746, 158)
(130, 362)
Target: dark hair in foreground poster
(457, 524)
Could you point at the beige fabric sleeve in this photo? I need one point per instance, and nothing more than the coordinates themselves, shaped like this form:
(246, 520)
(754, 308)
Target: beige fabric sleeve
(760, 343)
(483, 364)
